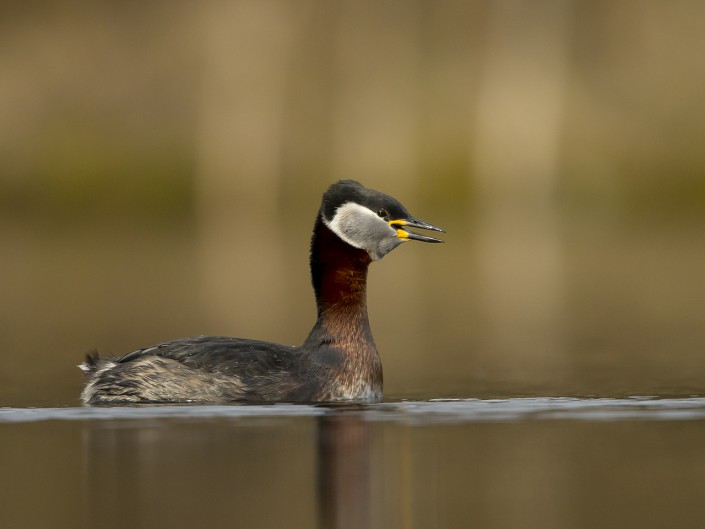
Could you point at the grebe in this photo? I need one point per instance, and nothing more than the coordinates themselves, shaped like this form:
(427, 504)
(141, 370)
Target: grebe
(337, 362)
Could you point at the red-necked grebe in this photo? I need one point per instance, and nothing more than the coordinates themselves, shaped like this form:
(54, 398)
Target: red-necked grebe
(337, 362)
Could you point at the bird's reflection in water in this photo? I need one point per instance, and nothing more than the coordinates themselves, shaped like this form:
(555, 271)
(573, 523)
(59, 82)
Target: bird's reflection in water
(344, 466)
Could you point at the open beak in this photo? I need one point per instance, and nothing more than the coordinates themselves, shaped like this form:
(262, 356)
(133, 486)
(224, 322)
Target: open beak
(401, 224)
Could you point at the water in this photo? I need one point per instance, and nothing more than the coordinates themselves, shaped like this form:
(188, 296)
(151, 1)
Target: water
(489, 463)
(624, 317)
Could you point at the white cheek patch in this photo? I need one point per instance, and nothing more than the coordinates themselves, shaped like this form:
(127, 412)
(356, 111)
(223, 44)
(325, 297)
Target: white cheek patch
(359, 227)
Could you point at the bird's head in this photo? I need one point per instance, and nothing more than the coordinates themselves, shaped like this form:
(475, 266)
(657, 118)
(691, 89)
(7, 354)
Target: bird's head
(370, 220)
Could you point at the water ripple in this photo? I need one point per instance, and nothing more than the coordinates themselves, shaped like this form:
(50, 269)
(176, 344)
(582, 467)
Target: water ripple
(413, 412)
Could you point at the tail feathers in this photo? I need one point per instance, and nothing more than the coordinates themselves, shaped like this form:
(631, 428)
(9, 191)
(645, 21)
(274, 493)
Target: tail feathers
(92, 363)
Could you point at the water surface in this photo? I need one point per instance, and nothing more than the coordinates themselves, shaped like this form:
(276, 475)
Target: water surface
(520, 462)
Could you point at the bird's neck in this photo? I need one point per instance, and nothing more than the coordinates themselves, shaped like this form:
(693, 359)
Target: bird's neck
(339, 276)
(338, 273)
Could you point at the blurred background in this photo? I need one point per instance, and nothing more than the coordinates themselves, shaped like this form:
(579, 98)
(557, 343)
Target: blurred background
(163, 162)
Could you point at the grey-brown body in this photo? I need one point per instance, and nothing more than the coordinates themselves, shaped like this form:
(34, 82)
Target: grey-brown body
(337, 362)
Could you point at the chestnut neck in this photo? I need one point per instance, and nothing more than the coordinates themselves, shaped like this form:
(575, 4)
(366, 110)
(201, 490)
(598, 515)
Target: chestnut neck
(341, 339)
(339, 277)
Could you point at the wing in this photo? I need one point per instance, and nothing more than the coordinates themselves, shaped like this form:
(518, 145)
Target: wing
(202, 369)
(239, 357)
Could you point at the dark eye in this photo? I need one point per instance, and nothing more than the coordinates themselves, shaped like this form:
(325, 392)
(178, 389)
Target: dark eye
(383, 213)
